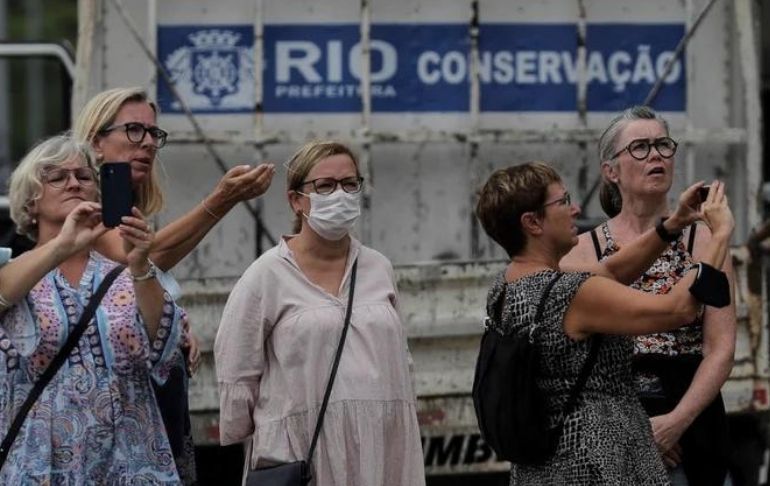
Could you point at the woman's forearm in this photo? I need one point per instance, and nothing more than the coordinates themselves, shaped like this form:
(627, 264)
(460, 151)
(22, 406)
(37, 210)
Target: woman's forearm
(635, 258)
(177, 239)
(717, 250)
(149, 299)
(18, 276)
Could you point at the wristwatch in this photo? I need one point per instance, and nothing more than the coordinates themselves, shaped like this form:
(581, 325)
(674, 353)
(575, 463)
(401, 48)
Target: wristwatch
(664, 234)
(151, 273)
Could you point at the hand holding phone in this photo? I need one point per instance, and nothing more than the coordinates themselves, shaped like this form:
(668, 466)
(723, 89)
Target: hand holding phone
(117, 193)
(703, 192)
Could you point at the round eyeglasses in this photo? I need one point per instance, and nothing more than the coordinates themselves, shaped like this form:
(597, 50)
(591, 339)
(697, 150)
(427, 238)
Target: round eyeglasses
(640, 148)
(135, 133)
(327, 185)
(58, 177)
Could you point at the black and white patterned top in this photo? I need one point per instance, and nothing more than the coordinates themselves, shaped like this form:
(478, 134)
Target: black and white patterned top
(607, 439)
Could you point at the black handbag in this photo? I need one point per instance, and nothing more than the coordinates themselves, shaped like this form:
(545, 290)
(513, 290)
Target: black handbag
(509, 405)
(298, 473)
(56, 363)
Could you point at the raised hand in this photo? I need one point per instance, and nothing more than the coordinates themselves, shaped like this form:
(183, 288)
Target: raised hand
(688, 210)
(240, 183)
(82, 227)
(716, 211)
(137, 239)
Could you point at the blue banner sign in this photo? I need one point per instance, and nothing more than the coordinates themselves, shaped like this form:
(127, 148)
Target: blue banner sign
(524, 67)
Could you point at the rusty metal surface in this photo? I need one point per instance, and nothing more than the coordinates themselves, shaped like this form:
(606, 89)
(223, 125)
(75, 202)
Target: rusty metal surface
(442, 306)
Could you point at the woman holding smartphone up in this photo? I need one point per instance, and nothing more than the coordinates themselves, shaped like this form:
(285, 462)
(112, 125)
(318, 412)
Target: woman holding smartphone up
(681, 371)
(121, 125)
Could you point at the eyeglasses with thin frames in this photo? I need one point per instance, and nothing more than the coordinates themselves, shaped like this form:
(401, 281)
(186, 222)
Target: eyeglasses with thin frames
(640, 148)
(327, 185)
(135, 133)
(565, 200)
(58, 177)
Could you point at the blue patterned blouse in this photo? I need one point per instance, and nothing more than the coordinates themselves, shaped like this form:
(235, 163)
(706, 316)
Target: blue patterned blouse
(97, 421)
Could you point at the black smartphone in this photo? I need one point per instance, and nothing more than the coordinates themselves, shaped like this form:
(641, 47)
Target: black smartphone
(703, 192)
(117, 194)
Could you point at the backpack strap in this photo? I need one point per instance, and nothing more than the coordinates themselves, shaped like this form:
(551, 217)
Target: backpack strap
(547, 291)
(585, 372)
(597, 246)
(691, 240)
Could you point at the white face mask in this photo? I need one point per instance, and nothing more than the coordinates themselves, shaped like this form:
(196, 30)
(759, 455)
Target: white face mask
(333, 215)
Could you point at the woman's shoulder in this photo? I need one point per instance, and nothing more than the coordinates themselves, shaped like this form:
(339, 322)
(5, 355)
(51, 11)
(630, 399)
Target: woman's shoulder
(373, 258)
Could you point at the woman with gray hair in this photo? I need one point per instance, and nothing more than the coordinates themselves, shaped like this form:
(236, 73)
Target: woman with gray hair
(680, 372)
(96, 421)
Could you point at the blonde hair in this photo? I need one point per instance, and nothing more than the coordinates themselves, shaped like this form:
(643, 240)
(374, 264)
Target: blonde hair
(26, 184)
(99, 113)
(302, 162)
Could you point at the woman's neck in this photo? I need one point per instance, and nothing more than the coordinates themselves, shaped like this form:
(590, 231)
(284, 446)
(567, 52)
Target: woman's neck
(531, 261)
(310, 244)
(640, 214)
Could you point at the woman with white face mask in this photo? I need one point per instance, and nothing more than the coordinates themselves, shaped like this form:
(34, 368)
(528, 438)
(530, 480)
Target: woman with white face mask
(282, 324)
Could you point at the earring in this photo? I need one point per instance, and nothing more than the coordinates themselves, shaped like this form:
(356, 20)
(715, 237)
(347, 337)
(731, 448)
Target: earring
(34, 221)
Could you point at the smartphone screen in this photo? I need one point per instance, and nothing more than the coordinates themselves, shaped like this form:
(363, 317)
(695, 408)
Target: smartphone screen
(117, 194)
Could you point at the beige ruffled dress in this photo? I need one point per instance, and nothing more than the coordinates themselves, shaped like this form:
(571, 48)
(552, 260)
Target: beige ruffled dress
(274, 352)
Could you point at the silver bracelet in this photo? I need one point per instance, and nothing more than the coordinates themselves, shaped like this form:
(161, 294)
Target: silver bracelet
(4, 304)
(151, 273)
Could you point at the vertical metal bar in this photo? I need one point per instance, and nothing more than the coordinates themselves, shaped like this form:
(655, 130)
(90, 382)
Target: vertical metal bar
(87, 13)
(35, 73)
(474, 169)
(259, 32)
(5, 109)
(691, 149)
(152, 42)
(749, 64)
(366, 112)
(582, 100)
(258, 114)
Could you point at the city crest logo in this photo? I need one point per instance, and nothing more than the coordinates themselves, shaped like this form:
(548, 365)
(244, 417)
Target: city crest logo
(212, 69)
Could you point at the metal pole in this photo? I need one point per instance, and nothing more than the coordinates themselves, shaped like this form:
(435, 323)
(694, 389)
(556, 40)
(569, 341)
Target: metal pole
(34, 88)
(678, 51)
(259, 32)
(5, 129)
(582, 105)
(366, 114)
(473, 142)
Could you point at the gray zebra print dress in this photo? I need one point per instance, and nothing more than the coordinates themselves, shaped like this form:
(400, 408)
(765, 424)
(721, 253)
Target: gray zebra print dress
(607, 439)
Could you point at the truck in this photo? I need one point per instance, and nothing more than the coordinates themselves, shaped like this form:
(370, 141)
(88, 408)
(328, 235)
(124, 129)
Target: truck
(434, 96)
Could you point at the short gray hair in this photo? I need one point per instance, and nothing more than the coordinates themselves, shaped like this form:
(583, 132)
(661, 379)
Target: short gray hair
(26, 184)
(609, 195)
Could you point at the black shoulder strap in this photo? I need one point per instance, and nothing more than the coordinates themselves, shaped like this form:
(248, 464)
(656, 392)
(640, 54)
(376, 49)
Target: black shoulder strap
(597, 246)
(547, 291)
(590, 361)
(585, 372)
(56, 363)
(327, 394)
(691, 240)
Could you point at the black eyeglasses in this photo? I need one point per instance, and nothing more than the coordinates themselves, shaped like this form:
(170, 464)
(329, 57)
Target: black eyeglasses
(327, 185)
(58, 177)
(640, 148)
(565, 200)
(135, 133)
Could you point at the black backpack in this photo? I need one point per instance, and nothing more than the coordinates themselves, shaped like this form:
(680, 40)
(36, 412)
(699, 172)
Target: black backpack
(510, 407)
